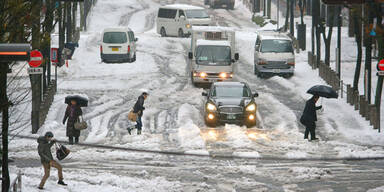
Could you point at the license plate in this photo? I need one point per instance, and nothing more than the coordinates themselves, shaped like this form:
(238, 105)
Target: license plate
(211, 80)
(276, 71)
(231, 116)
(115, 49)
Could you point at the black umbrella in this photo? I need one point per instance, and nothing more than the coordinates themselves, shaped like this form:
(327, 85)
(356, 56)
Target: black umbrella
(81, 101)
(323, 91)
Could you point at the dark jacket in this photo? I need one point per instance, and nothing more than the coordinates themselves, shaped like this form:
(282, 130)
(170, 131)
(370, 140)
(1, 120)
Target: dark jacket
(44, 149)
(309, 114)
(139, 106)
(71, 131)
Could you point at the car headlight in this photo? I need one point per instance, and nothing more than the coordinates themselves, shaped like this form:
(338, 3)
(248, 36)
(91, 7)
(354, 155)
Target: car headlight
(211, 107)
(188, 26)
(203, 74)
(251, 107)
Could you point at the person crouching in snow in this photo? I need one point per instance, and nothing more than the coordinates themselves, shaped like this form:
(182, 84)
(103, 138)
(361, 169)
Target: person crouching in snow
(309, 117)
(72, 113)
(44, 149)
(138, 109)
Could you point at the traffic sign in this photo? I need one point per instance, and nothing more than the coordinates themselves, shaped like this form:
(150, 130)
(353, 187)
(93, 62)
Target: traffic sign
(36, 58)
(35, 70)
(54, 55)
(380, 65)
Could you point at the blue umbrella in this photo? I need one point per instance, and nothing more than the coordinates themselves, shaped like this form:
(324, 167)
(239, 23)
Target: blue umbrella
(323, 91)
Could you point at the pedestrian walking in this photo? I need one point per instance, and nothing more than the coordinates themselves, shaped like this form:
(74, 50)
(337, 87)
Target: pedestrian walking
(44, 149)
(138, 109)
(309, 117)
(72, 113)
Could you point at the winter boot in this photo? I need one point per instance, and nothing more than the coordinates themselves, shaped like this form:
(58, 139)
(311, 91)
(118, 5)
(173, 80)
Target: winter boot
(70, 139)
(76, 140)
(139, 131)
(41, 188)
(61, 182)
(129, 130)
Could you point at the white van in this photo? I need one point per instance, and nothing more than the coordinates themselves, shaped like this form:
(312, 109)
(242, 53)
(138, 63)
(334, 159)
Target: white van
(118, 45)
(178, 19)
(274, 55)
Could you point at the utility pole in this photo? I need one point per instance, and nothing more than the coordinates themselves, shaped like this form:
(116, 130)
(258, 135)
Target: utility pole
(68, 6)
(339, 24)
(264, 8)
(278, 13)
(4, 105)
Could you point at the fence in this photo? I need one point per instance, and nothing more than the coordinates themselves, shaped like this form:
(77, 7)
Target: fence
(369, 111)
(16, 184)
(47, 102)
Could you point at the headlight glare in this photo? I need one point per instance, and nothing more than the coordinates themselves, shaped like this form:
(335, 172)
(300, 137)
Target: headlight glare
(211, 107)
(251, 107)
(203, 74)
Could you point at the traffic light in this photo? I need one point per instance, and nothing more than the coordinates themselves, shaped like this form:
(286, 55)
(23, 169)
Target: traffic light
(14, 52)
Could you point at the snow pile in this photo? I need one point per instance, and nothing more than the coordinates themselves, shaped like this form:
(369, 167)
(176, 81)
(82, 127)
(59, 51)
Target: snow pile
(309, 173)
(378, 189)
(188, 131)
(87, 181)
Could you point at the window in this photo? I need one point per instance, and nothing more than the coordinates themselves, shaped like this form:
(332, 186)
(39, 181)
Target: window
(181, 13)
(115, 37)
(213, 55)
(131, 36)
(167, 13)
(199, 13)
(213, 35)
(276, 46)
(231, 91)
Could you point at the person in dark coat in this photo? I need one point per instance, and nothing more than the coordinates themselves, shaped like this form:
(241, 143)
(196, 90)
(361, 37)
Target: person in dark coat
(44, 149)
(139, 108)
(309, 117)
(72, 113)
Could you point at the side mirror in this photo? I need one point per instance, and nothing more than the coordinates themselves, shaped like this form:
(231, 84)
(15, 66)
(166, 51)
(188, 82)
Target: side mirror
(190, 55)
(204, 94)
(182, 17)
(136, 39)
(257, 48)
(236, 56)
(256, 94)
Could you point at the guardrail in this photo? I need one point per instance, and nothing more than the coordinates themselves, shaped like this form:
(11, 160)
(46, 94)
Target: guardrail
(369, 111)
(16, 184)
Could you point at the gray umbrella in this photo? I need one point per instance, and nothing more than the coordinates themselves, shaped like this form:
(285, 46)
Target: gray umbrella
(323, 91)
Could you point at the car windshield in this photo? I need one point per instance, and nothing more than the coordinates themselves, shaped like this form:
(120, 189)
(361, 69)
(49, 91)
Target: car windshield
(196, 14)
(115, 37)
(213, 55)
(231, 91)
(276, 46)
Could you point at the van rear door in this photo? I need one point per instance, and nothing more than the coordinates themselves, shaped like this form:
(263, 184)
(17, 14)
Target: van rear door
(115, 42)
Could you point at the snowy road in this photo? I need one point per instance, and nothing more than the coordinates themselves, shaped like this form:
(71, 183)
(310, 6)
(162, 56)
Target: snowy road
(173, 120)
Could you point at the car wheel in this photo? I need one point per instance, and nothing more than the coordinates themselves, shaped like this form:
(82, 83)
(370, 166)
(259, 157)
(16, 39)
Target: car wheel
(134, 57)
(162, 32)
(180, 33)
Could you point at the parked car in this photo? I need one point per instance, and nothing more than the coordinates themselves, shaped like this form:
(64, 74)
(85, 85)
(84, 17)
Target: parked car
(178, 19)
(230, 102)
(229, 4)
(118, 45)
(274, 55)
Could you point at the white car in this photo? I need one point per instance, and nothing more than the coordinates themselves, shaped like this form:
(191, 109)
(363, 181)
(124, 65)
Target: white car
(274, 55)
(178, 19)
(118, 45)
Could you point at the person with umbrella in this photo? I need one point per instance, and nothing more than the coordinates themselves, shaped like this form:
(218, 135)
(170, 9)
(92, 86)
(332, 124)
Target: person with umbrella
(72, 113)
(309, 116)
